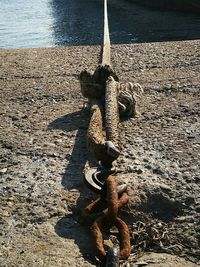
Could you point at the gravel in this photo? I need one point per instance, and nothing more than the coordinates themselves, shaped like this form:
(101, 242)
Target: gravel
(43, 151)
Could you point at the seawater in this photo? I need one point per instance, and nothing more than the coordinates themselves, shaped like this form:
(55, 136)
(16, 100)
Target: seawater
(46, 23)
(25, 23)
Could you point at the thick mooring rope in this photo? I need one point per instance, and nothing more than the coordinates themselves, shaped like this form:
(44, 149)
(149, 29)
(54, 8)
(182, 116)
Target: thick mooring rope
(106, 58)
(107, 98)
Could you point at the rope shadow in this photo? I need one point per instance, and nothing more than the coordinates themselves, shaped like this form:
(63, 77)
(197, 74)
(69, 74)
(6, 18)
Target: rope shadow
(78, 120)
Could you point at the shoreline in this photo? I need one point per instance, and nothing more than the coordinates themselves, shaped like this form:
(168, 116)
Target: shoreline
(99, 45)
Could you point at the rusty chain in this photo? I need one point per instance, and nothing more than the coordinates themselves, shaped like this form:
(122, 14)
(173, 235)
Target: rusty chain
(108, 100)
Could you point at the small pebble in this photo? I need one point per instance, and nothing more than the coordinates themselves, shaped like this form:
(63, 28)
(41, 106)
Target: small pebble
(38, 87)
(130, 169)
(4, 170)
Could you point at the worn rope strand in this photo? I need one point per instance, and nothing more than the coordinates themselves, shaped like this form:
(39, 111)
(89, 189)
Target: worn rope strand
(106, 58)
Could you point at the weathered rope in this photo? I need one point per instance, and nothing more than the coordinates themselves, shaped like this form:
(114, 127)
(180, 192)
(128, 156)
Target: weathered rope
(112, 118)
(108, 99)
(106, 59)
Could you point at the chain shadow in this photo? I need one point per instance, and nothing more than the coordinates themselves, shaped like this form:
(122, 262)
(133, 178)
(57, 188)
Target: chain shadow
(67, 226)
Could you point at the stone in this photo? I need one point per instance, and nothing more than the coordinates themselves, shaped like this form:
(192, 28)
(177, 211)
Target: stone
(4, 170)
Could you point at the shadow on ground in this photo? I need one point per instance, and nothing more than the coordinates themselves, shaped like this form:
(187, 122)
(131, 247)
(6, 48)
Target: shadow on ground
(78, 120)
(67, 227)
(80, 22)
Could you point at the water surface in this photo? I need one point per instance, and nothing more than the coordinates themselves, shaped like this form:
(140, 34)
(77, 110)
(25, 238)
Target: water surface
(43, 23)
(25, 23)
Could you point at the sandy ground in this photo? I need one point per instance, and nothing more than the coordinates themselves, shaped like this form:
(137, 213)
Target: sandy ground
(43, 153)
